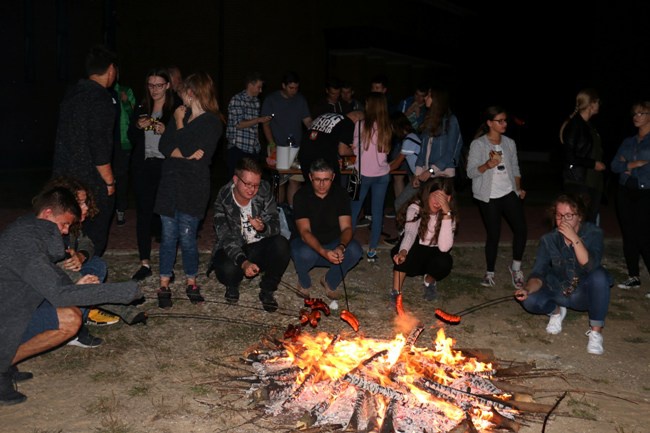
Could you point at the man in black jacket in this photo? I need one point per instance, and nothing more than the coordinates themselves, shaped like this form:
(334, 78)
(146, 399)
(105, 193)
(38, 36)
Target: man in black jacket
(38, 310)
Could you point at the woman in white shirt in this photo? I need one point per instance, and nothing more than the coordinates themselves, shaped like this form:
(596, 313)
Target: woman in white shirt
(493, 166)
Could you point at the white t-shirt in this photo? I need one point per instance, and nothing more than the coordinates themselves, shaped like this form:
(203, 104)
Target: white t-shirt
(248, 232)
(501, 184)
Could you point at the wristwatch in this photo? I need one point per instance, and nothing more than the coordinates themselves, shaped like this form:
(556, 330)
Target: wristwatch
(431, 170)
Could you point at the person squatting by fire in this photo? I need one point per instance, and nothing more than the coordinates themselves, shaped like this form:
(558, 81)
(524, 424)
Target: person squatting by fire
(568, 273)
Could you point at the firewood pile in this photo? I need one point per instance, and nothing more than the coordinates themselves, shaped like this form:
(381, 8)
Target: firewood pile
(321, 383)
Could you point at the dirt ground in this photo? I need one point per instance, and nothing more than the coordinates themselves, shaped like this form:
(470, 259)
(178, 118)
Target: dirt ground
(176, 373)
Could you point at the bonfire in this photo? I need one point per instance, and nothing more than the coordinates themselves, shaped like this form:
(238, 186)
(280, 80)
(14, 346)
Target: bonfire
(328, 382)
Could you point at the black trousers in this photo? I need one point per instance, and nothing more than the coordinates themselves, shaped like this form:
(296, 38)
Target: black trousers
(270, 254)
(510, 207)
(97, 227)
(425, 260)
(633, 209)
(146, 177)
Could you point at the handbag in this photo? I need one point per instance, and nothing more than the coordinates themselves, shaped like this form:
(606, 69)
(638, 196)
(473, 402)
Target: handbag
(353, 186)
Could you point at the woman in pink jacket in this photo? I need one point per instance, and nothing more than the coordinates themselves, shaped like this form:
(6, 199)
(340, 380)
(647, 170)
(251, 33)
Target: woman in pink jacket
(372, 139)
(429, 223)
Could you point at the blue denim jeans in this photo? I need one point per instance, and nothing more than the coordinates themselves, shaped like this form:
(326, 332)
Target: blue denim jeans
(377, 186)
(305, 259)
(182, 228)
(591, 294)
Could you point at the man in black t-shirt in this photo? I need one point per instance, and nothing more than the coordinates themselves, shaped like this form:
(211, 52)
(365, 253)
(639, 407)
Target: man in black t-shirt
(324, 224)
(329, 137)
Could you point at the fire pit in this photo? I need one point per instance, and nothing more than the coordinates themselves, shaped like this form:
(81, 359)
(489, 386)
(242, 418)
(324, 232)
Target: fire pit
(331, 382)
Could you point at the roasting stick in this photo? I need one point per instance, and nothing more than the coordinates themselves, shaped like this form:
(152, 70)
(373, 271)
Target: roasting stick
(346, 315)
(454, 319)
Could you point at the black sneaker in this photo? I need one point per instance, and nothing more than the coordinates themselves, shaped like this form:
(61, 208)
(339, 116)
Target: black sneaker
(20, 376)
(194, 293)
(268, 302)
(85, 340)
(630, 283)
(164, 297)
(364, 222)
(391, 241)
(232, 295)
(8, 393)
(142, 273)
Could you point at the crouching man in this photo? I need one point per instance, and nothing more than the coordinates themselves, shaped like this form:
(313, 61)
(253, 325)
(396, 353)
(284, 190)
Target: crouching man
(247, 226)
(322, 212)
(38, 310)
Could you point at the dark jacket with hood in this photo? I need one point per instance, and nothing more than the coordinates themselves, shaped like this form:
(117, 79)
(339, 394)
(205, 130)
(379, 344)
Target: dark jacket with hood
(578, 144)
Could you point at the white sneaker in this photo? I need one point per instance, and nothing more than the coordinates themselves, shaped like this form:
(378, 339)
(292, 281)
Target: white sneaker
(555, 322)
(488, 280)
(595, 345)
(517, 278)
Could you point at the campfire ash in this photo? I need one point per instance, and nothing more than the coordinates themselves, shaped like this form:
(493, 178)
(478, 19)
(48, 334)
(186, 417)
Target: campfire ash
(365, 384)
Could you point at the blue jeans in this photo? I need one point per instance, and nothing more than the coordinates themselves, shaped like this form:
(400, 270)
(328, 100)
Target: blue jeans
(377, 186)
(95, 266)
(591, 294)
(305, 259)
(181, 228)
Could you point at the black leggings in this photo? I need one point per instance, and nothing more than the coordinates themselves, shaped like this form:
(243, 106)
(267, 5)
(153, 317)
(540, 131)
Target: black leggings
(422, 260)
(633, 206)
(511, 208)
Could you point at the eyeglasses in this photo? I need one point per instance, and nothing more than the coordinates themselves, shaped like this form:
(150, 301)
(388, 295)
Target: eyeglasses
(639, 114)
(157, 86)
(500, 121)
(565, 217)
(248, 184)
(322, 180)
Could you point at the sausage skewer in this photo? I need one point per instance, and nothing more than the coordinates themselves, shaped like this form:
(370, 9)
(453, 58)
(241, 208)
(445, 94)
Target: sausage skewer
(454, 319)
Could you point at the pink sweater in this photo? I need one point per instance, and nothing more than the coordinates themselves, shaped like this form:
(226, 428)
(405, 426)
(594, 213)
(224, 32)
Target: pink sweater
(373, 163)
(445, 237)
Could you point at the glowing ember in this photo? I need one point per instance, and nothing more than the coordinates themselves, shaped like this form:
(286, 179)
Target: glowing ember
(364, 384)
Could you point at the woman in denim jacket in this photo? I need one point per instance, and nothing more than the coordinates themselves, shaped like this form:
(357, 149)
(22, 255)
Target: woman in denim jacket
(633, 197)
(568, 272)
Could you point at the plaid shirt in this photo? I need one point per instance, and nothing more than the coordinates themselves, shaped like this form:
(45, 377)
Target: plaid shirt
(243, 107)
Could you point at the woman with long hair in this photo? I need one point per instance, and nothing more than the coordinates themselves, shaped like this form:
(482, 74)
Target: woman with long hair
(145, 129)
(372, 142)
(493, 166)
(633, 195)
(568, 273)
(429, 223)
(188, 144)
(583, 152)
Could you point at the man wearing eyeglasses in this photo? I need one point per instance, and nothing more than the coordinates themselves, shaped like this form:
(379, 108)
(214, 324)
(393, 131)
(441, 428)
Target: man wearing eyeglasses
(249, 242)
(324, 223)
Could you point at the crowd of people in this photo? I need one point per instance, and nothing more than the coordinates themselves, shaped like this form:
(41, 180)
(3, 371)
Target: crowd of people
(53, 277)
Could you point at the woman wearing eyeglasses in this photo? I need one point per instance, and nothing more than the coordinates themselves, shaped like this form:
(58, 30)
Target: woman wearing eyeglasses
(493, 166)
(583, 152)
(145, 129)
(633, 197)
(188, 144)
(568, 273)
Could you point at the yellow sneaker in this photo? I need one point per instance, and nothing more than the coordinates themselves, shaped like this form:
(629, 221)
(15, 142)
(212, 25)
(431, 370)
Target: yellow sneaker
(98, 317)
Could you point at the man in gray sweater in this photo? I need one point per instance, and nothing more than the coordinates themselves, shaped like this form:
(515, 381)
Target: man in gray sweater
(39, 301)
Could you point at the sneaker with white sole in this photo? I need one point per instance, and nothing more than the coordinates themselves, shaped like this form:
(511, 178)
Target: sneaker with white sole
(488, 280)
(630, 283)
(595, 345)
(517, 278)
(85, 339)
(555, 322)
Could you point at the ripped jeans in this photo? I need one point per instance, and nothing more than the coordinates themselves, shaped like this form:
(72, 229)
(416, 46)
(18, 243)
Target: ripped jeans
(182, 228)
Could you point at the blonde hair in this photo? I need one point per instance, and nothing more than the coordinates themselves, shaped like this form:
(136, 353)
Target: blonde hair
(584, 99)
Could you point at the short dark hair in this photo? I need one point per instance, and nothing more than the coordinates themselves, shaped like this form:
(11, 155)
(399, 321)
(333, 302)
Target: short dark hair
(248, 164)
(253, 77)
(98, 60)
(290, 77)
(380, 78)
(59, 199)
(333, 83)
(320, 165)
